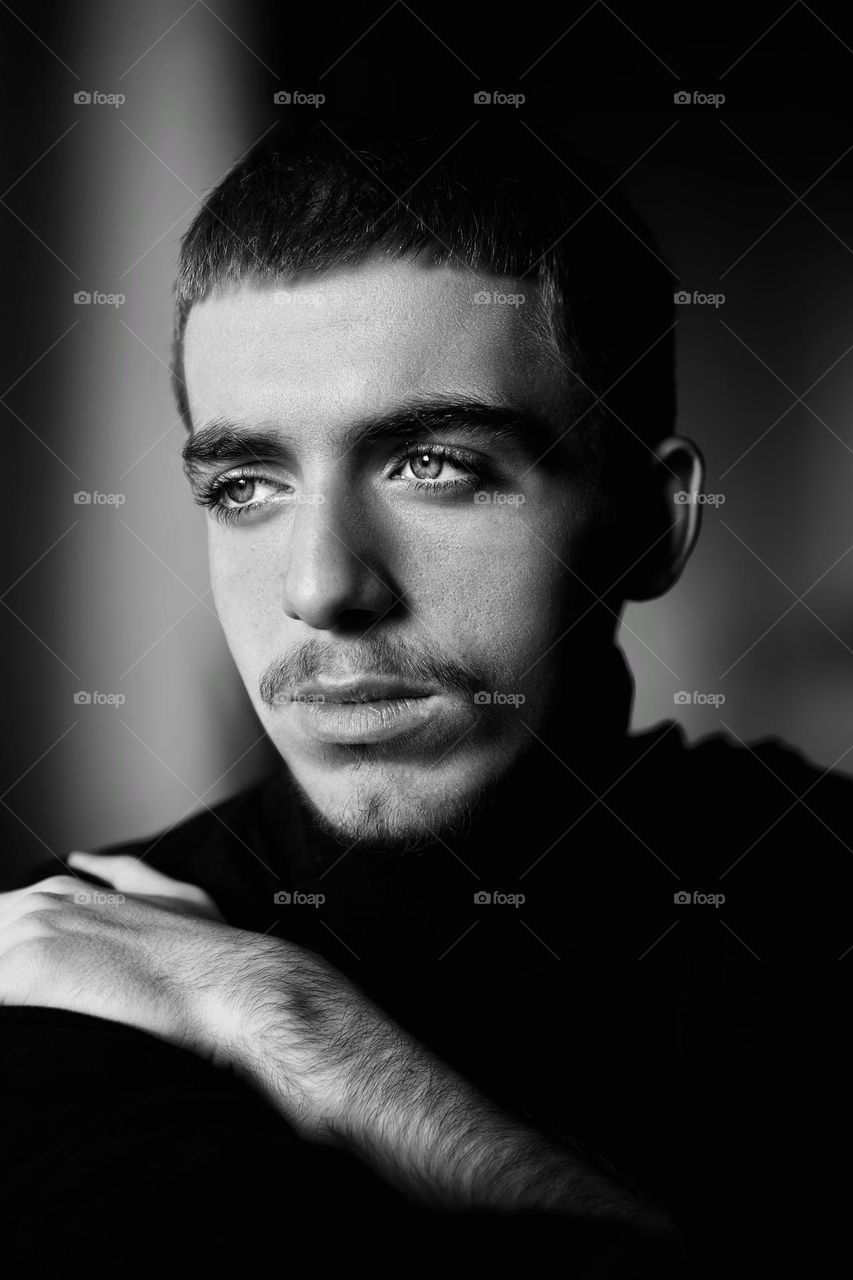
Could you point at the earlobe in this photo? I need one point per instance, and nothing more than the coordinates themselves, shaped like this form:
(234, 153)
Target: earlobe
(677, 475)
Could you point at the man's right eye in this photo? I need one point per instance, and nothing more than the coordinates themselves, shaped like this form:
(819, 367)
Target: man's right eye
(228, 497)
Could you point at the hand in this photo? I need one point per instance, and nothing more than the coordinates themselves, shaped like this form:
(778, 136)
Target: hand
(154, 953)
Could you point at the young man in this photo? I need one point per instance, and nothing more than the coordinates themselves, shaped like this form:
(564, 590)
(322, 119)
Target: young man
(473, 934)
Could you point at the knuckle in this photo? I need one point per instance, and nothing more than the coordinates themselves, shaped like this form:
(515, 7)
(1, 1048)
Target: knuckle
(28, 954)
(42, 901)
(38, 922)
(57, 885)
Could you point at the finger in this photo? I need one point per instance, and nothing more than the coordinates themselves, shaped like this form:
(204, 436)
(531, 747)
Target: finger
(131, 875)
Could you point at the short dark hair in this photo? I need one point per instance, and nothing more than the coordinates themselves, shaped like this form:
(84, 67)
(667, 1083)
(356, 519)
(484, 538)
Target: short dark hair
(498, 199)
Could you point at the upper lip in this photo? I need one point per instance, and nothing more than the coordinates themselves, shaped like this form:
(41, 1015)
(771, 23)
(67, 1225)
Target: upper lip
(361, 689)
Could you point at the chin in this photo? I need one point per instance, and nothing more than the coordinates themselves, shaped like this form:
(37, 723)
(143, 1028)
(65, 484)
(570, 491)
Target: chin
(393, 819)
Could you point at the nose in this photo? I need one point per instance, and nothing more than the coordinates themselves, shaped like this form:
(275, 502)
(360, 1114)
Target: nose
(331, 569)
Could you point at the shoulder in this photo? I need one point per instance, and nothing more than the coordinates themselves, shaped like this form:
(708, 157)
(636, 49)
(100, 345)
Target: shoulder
(762, 824)
(761, 773)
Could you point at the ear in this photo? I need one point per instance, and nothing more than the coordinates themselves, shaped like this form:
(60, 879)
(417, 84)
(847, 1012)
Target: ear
(671, 518)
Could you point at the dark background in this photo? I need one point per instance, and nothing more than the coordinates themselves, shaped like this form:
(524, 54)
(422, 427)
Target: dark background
(750, 199)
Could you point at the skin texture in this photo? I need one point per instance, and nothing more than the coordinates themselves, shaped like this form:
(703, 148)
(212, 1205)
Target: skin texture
(347, 568)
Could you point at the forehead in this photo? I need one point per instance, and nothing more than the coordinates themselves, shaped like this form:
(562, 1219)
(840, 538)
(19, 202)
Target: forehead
(361, 338)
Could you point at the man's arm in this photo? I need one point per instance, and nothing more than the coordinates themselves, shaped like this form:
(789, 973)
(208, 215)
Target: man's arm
(344, 1073)
(330, 1061)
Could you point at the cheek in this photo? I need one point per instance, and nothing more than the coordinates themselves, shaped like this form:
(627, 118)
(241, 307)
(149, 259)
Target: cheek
(501, 588)
(497, 590)
(246, 592)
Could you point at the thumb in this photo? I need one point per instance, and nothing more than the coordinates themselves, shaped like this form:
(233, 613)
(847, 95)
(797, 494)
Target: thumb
(132, 875)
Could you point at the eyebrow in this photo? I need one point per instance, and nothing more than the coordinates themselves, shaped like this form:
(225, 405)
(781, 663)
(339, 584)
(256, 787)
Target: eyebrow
(224, 443)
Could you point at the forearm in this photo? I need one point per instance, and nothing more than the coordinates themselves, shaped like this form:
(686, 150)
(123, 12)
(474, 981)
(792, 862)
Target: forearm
(425, 1129)
(435, 1136)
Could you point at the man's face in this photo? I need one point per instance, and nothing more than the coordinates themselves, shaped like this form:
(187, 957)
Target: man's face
(348, 553)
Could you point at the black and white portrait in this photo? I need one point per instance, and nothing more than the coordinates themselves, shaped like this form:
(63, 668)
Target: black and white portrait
(428, 767)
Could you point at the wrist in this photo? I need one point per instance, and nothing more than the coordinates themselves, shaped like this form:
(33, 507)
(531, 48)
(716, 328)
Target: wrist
(292, 1034)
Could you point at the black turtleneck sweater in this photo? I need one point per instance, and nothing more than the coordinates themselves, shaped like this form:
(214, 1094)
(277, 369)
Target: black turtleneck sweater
(684, 1042)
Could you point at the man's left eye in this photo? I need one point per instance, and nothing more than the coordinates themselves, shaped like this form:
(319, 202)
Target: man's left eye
(433, 464)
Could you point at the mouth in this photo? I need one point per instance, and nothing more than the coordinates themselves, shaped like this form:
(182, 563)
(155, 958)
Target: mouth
(365, 710)
(358, 691)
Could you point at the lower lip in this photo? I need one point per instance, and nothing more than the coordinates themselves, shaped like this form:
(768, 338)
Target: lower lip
(365, 722)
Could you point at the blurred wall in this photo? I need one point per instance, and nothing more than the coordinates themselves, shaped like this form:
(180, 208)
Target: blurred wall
(114, 600)
(111, 597)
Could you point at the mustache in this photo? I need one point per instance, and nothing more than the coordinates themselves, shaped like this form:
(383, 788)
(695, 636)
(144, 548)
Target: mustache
(380, 656)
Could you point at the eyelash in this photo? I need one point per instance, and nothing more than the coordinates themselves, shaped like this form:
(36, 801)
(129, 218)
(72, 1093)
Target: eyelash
(211, 491)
